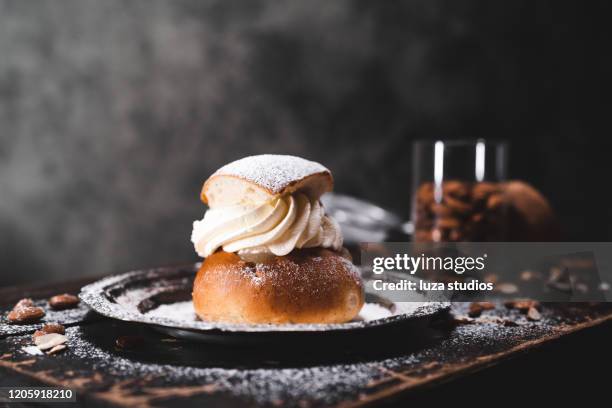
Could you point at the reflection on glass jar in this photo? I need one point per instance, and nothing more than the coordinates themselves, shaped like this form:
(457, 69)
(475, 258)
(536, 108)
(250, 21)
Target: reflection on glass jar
(457, 193)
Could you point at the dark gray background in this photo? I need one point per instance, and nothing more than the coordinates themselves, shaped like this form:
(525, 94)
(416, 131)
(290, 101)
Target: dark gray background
(112, 113)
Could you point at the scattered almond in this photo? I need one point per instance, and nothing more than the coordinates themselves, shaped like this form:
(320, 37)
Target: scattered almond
(25, 314)
(32, 350)
(56, 349)
(26, 302)
(528, 276)
(49, 328)
(65, 301)
(38, 333)
(533, 314)
(476, 308)
(460, 319)
(523, 305)
(54, 328)
(506, 288)
(50, 340)
(487, 305)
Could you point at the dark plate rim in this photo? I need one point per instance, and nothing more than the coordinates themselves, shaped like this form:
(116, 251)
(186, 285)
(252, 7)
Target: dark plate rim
(95, 295)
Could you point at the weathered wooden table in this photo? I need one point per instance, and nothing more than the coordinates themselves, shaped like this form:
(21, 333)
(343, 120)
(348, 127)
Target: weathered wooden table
(557, 356)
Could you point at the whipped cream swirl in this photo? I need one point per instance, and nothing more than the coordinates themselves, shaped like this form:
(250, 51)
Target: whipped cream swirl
(272, 227)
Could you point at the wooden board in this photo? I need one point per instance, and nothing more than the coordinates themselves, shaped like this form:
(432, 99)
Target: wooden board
(158, 370)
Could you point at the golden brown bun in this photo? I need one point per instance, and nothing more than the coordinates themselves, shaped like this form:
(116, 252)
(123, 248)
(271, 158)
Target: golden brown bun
(306, 286)
(260, 178)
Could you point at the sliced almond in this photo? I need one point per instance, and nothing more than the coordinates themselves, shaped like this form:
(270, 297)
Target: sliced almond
(533, 314)
(56, 349)
(32, 350)
(48, 329)
(49, 340)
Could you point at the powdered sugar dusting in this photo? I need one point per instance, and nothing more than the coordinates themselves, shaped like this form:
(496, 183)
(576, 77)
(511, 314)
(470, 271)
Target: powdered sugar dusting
(272, 171)
(184, 312)
(316, 385)
(180, 311)
(373, 311)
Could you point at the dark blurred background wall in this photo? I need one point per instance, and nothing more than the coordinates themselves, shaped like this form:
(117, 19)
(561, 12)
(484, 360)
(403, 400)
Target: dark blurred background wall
(112, 113)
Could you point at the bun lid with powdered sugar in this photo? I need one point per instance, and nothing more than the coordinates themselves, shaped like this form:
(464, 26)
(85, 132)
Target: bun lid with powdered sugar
(260, 178)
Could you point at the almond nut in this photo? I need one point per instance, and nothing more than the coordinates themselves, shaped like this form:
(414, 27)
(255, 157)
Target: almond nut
(533, 314)
(65, 301)
(25, 314)
(49, 340)
(56, 349)
(53, 328)
(26, 302)
(476, 308)
(523, 305)
(38, 333)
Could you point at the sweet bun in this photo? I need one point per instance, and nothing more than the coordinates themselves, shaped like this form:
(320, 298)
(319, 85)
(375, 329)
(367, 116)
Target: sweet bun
(313, 285)
(260, 178)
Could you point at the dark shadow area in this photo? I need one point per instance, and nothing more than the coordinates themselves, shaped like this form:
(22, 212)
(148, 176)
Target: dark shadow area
(570, 370)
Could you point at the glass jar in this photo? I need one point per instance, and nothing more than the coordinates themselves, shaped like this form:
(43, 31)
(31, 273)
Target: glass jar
(457, 191)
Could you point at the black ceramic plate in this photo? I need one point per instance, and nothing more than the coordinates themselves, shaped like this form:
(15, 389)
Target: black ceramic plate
(161, 297)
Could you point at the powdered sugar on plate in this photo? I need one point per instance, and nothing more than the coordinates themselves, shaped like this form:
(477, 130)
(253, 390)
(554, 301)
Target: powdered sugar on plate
(180, 311)
(184, 312)
(373, 311)
(138, 296)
